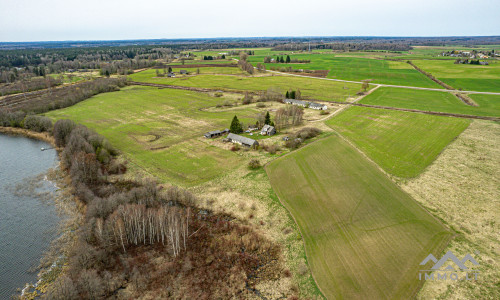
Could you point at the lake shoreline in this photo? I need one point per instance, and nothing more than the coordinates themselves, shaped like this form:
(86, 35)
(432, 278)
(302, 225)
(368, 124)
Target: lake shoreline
(50, 266)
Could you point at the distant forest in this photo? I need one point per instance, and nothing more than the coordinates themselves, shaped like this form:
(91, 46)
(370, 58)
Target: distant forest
(20, 61)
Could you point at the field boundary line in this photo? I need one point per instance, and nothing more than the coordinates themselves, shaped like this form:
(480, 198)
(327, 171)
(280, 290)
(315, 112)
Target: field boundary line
(382, 84)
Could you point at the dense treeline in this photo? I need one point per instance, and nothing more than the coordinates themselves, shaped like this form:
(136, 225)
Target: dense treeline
(397, 46)
(56, 98)
(27, 84)
(40, 62)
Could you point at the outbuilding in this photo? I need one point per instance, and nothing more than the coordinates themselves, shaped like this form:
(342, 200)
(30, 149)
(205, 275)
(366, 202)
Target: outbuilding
(268, 130)
(238, 139)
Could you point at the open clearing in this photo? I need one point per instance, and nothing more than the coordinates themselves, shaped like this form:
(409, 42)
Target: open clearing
(364, 236)
(462, 188)
(466, 77)
(489, 105)
(402, 143)
(160, 130)
(309, 87)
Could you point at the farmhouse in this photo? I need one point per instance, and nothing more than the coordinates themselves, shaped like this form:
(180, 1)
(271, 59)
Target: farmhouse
(312, 105)
(184, 72)
(215, 133)
(268, 130)
(238, 139)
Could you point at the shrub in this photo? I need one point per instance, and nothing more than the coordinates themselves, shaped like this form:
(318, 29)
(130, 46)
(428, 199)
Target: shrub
(254, 164)
(218, 94)
(62, 131)
(37, 123)
(323, 112)
(235, 147)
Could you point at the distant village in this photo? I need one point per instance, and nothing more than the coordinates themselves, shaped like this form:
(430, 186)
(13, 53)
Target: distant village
(471, 57)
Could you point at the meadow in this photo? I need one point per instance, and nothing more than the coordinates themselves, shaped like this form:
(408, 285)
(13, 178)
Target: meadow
(464, 76)
(364, 236)
(309, 87)
(488, 105)
(358, 68)
(402, 143)
(159, 130)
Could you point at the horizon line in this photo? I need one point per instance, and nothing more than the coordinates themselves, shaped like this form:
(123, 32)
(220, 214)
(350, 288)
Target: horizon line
(254, 37)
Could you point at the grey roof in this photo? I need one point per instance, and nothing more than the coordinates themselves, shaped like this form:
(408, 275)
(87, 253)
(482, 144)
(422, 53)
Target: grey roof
(294, 101)
(312, 104)
(241, 139)
(267, 128)
(304, 103)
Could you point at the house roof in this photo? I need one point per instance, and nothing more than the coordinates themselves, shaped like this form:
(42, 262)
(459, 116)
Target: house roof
(267, 128)
(241, 139)
(312, 104)
(294, 101)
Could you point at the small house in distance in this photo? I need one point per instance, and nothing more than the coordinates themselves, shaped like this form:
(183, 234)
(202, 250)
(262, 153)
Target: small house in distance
(318, 106)
(268, 130)
(215, 133)
(238, 139)
(170, 74)
(296, 102)
(308, 104)
(183, 72)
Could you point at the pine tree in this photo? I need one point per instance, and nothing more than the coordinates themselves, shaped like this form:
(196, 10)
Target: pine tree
(287, 95)
(277, 59)
(282, 60)
(169, 69)
(235, 126)
(292, 94)
(268, 119)
(288, 59)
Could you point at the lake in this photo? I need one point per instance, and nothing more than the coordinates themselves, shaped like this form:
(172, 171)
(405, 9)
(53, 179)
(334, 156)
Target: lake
(28, 223)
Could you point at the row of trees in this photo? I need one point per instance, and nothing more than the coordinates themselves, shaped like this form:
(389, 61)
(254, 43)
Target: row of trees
(290, 115)
(293, 94)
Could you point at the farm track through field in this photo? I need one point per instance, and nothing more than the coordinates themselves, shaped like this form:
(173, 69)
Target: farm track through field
(207, 90)
(187, 88)
(386, 85)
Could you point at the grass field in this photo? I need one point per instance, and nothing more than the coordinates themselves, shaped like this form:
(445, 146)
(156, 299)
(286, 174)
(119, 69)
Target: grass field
(359, 68)
(159, 130)
(402, 143)
(489, 105)
(309, 87)
(466, 77)
(364, 236)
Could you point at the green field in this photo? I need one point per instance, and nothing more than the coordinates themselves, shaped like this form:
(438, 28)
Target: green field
(358, 68)
(402, 143)
(159, 130)
(364, 236)
(466, 77)
(489, 105)
(309, 87)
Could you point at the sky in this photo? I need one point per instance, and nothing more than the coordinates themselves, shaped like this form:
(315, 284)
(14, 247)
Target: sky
(58, 20)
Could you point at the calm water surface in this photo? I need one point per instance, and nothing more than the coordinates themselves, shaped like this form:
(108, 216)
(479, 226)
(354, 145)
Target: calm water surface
(27, 224)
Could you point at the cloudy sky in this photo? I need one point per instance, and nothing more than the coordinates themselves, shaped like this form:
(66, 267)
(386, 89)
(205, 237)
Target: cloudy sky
(54, 20)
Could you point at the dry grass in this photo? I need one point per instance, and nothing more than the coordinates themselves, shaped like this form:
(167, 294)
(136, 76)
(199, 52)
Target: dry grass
(248, 196)
(462, 188)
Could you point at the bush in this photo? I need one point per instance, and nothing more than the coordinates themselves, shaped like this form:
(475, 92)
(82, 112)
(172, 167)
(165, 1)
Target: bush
(235, 147)
(37, 123)
(323, 112)
(218, 94)
(254, 164)
(62, 131)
